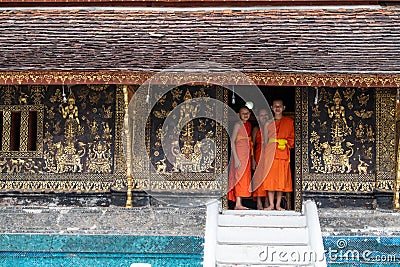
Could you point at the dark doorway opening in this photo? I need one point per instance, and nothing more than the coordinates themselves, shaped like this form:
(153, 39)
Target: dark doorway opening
(287, 95)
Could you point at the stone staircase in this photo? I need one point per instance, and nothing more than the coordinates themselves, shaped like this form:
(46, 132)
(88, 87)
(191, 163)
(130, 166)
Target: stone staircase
(263, 238)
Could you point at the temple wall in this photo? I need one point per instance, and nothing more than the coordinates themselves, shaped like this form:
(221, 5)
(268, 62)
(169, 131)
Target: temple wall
(345, 141)
(61, 139)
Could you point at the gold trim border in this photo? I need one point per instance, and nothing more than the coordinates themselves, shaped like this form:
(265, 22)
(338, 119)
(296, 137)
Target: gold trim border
(396, 200)
(338, 186)
(259, 78)
(298, 188)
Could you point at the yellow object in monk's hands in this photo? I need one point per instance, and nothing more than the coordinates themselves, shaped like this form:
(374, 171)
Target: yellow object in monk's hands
(281, 142)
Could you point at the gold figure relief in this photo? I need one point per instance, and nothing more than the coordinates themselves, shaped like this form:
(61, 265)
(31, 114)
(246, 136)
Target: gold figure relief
(94, 128)
(23, 98)
(99, 160)
(335, 159)
(341, 140)
(339, 128)
(68, 158)
(362, 167)
(107, 112)
(70, 112)
(107, 135)
(56, 96)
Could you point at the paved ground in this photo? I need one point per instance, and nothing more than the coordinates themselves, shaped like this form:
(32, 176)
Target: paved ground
(99, 220)
(360, 222)
(173, 221)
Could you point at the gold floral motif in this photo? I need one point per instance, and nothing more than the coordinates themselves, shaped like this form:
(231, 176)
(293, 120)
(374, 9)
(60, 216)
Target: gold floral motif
(363, 113)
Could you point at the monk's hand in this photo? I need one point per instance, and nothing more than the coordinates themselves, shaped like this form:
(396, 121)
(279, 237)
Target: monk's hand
(282, 144)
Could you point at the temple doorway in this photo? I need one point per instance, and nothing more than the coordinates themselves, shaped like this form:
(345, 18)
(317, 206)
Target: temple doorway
(291, 201)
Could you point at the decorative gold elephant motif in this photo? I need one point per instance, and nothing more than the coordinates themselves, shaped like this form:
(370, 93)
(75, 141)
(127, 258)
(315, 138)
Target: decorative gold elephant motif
(336, 162)
(67, 160)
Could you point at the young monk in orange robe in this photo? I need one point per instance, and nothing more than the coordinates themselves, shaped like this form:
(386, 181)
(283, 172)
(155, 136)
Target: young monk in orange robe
(280, 136)
(240, 169)
(257, 132)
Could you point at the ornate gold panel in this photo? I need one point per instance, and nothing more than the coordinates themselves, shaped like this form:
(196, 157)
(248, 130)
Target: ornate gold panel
(78, 143)
(194, 166)
(346, 139)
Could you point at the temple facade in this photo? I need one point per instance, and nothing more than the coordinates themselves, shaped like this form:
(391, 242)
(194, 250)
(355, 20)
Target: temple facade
(77, 81)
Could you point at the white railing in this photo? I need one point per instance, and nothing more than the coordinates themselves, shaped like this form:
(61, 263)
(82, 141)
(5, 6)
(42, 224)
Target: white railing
(314, 233)
(210, 237)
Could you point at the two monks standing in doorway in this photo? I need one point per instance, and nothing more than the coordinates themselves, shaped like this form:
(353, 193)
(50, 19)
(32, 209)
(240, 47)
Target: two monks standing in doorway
(271, 158)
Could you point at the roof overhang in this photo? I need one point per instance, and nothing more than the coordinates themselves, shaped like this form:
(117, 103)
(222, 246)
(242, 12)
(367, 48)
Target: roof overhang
(184, 3)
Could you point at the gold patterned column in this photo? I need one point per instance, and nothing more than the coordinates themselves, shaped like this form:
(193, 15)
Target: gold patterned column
(23, 137)
(396, 200)
(396, 203)
(6, 130)
(386, 139)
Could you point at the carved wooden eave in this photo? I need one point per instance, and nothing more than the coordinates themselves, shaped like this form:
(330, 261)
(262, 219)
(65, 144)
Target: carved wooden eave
(259, 78)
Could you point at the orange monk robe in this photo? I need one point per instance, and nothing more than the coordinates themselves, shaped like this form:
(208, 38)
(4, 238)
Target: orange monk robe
(258, 191)
(258, 145)
(279, 177)
(239, 179)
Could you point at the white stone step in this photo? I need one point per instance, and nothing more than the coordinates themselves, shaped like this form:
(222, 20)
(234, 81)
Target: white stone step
(262, 212)
(262, 236)
(266, 255)
(265, 220)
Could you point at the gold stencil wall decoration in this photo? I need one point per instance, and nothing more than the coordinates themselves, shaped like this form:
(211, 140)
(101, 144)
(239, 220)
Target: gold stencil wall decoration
(299, 136)
(386, 138)
(339, 145)
(196, 158)
(75, 145)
